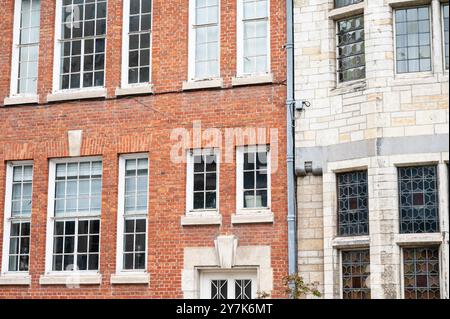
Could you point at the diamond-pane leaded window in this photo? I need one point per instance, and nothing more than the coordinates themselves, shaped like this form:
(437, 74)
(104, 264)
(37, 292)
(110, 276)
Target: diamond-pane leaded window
(413, 39)
(446, 31)
(421, 271)
(344, 3)
(83, 31)
(351, 58)
(418, 199)
(353, 208)
(356, 274)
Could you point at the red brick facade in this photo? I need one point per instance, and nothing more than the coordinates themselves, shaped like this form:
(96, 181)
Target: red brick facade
(118, 125)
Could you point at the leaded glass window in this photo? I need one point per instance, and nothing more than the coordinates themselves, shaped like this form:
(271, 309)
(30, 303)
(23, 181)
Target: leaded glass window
(206, 29)
(356, 274)
(20, 213)
(413, 39)
(205, 182)
(421, 273)
(446, 30)
(28, 46)
(344, 3)
(219, 289)
(139, 41)
(351, 49)
(419, 208)
(76, 245)
(83, 32)
(353, 208)
(243, 289)
(255, 178)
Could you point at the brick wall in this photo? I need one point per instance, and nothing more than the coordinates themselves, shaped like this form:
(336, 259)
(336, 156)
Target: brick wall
(114, 126)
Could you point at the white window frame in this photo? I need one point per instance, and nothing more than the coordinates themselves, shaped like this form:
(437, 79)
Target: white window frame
(7, 217)
(240, 180)
(51, 217)
(240, 41)
(192, 42)
(57, 57)
(190, 211)
(125, 47)
(15, 57)
(207, 275)
(121, 214)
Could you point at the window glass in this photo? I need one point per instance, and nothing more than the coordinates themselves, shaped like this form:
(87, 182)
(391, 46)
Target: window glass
(413, 40)
(356, 274)
(351, 48)
(419, 207)
(353, 208)
(205, 182)
(255, 180)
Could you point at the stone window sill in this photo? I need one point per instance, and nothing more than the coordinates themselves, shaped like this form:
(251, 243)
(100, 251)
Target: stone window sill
(349, 87)
(252, 79)
(134, 90)
(15, 280)
(201, 218)
(71, 279)
(202, 84)
(414, 78)
(346, 12)
(252, 217)
(77, 95)
(351, 242)
(18, 100)
(418, 239)
(130, 278)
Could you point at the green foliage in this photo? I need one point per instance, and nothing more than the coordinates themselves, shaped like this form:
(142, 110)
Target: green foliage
(297, 287)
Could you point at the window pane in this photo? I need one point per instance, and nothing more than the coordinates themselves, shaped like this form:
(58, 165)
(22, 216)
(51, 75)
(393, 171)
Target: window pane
(446, 31)
(413, 39)
(86, 24)
(136, 185)
(353, 210)
(421, 273)
(243, 289)
(135, 238)
(356, 274)
(419, 207)
(344, 3)
(255, 180)
(351, 47)
(219, 289)
(22, 191)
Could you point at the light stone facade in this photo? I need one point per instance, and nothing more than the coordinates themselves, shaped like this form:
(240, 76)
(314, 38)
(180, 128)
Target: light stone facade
(378, 124)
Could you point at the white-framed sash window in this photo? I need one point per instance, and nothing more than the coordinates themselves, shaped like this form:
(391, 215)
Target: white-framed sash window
(253, 36)
(132, 215)
(136, 42)
(204, 39)
(74, 213)
(25, 54)
(17, 217)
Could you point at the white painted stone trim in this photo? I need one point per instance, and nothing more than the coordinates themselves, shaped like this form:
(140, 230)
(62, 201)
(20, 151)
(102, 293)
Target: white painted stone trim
(249, 80)
(133, 90)
(131, 278)
(351, 242)
(419, 239)
(19, 99)
(202, 84)
(200, 219)
(251, 218)
(197, 259)
(71, 279)
(15, 280)
(76, 95)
